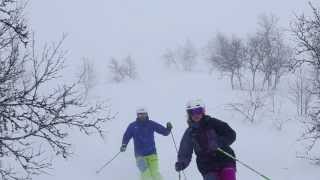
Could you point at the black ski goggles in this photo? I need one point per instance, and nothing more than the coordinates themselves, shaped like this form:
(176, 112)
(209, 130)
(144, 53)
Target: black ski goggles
(142, 114)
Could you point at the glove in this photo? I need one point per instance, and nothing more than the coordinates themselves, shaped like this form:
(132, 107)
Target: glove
(123, 148)
(179, 166)
(169, 125)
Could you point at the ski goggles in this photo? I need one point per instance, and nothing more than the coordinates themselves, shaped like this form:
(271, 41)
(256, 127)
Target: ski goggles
(196, 111)
(142, 114)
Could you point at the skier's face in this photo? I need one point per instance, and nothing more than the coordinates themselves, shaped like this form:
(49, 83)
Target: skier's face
(142, 116)
(196, 114)
(196, 117)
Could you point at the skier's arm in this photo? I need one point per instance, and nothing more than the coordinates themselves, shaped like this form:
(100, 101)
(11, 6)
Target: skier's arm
(127, 135)
(185, 149)
(160, 129)
(225, 134)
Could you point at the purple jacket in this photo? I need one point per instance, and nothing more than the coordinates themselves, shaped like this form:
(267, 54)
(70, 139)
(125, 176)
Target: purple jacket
(200, 137)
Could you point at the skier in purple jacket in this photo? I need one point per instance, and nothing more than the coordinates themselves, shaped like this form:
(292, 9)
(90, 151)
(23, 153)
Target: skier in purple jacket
(204, 136)
(142, 131)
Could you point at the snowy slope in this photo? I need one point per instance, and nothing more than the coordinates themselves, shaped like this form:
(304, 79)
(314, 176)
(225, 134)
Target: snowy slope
(260, 145)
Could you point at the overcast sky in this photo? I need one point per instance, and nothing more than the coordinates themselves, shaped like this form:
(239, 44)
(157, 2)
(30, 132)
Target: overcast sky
(99, 29)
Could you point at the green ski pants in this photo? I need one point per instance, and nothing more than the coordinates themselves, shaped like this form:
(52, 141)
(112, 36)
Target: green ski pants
(149, 167)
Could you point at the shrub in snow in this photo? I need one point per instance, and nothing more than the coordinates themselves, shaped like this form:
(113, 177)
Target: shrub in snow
(87, 75)
(183, 58)
(122, 70)
(250, 108)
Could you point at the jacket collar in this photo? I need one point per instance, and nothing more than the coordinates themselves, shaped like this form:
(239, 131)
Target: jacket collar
(201, 124)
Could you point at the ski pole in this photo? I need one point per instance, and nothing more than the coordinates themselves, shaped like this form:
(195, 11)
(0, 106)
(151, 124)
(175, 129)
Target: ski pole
(107, 163)
(244, 164)
(175, 145)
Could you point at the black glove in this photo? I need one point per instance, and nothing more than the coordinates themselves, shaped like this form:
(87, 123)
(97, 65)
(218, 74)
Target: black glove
(169, 125)
(179, 166)
(123, 148)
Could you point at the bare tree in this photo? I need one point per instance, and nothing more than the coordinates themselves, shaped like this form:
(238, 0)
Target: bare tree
(187, 55)
(306, 31)
(122, 70)
(182, 58)
(87, 75)
(12, 22)
(312, 134)
(268, 51)
(37, 110)
(130, 69)
(31, 116)
(170, 58)
(250, 107)
(276, 115)
(301, 92)
(227, 55)
(254, 58)
(116, 70)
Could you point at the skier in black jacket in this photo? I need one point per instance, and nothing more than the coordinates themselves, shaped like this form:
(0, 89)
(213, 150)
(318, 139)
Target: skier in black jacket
(204, 136)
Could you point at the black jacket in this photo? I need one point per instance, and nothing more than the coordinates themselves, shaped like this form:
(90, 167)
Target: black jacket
(200, 137)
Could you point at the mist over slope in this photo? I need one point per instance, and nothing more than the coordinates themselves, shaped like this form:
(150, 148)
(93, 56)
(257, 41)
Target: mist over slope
(261, 144)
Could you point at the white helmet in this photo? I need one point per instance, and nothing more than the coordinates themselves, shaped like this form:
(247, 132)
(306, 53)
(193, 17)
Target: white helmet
(192, 104)
(141, 110)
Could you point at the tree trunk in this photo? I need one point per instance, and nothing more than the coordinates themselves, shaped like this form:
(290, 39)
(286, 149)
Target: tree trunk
(239, 79)
(253, 80)
(232, 80)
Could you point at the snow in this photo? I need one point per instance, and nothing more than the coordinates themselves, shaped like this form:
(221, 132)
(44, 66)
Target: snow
(260, 145)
